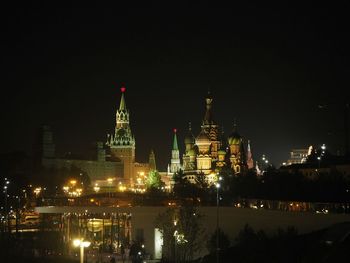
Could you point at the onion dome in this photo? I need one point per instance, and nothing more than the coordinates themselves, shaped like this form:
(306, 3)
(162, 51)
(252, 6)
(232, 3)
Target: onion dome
(234, 137)
(202, 138)
(221, 152)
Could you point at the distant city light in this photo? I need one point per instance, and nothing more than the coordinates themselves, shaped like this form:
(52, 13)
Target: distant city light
(37, 191)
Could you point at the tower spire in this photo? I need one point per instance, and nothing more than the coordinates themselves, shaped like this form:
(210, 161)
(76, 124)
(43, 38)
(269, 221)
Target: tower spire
(122, 105)
(250, 162)
(175, 145)
(122, 134)
(175, 165)
(208, 115)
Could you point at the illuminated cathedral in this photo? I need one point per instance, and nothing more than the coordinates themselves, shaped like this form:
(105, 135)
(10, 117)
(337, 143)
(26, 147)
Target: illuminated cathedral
(210, 151)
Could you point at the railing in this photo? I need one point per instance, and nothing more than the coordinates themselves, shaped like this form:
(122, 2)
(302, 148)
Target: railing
(125, 200)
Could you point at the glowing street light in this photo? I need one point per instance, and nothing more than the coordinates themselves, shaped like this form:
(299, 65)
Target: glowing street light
(319, 161)
(82, 244)
(37, 191)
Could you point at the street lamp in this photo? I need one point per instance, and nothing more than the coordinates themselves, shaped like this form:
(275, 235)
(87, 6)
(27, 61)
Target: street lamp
(175, 234)
(82, 244)
(319, 162)
(217, 221)
(7, 182)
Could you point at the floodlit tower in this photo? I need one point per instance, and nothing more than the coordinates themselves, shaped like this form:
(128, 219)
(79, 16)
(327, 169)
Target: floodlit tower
(175, 165)
(122, 143)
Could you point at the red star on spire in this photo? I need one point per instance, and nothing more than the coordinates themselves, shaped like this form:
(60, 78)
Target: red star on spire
(122, 89)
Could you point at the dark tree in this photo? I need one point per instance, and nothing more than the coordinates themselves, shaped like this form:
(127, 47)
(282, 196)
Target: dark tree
(224, 241)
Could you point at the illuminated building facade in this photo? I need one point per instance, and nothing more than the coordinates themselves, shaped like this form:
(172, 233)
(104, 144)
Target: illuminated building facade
(210, 151)
(298, 156)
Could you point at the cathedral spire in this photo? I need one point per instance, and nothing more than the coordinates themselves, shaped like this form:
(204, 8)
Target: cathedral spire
(208, 115)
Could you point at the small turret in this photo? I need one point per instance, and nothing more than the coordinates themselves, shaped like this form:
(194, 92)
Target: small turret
(250, 162)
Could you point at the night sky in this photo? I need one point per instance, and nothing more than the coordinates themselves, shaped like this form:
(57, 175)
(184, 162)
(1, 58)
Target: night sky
(267, 66)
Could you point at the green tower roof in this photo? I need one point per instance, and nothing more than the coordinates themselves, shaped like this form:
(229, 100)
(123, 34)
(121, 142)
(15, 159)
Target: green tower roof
(175, 146)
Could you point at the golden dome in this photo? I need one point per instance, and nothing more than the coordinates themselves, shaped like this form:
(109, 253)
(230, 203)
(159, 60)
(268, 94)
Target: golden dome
(202, 138)
(234, 138)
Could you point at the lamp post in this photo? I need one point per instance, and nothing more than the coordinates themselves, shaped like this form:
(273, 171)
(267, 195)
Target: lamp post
(7, 182)
(175, 240)
(217, 222)
(82, 244)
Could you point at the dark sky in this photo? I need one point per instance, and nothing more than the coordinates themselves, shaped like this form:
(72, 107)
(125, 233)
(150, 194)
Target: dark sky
(267, 66)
